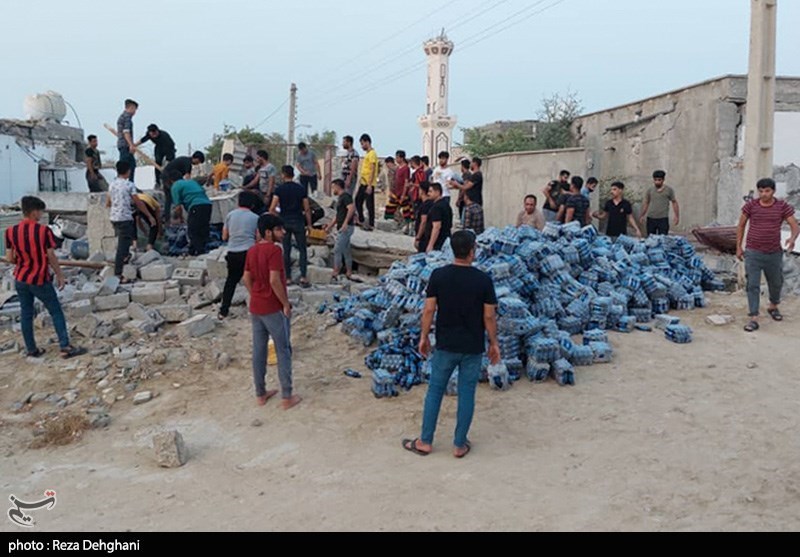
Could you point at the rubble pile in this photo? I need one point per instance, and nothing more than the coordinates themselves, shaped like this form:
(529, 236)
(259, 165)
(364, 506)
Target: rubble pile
(551, 286)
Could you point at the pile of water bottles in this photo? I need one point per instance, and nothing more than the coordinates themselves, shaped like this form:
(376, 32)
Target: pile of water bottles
(552, 286)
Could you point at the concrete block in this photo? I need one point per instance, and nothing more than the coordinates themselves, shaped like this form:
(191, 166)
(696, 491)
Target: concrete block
(156, 271)
(170, 449)
(71, 229)
(141, 398)
(130, 272)
(115, 301)
(173, 294)
(193, 277)
(109, 285)
(213, 291)
(317, 296)
(175, 313)
(88, 292)
(720, 320)
(147, 258)
(240, 297)
(120, 319)
(199, 263)
(148, 295)
(137, 311)
(144, 326)
(217, 268)
(319, 275)
(80, 308)
(197, 326)
(92, 326)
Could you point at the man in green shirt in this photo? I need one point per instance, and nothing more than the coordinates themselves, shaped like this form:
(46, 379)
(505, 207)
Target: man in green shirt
(656, 206)
(190, 196)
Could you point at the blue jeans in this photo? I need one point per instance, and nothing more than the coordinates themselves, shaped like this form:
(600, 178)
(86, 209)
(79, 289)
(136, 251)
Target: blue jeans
(309, 182)
(47, 294)
(126, 155)
(295, 226)
(276, 326)
(442, 367)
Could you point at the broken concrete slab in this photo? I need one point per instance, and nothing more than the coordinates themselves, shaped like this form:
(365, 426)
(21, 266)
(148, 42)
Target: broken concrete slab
(319, 275)
(141, 398)
(88, 292)
(156, 272)
(213, 291)
(80, 308)
(147, 258)
(175, 313)
(170, 449)
(130, 272)
(720, 320)
(109, 285)
(197, 326)
(92, 326)
(115, 301)
(148, 295)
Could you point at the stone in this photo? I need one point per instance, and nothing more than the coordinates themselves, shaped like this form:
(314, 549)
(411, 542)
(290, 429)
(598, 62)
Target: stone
(170, 449)
(387, 225)
(120, 319)
(103, 383)
(124, 353)
(115, 301)
(130, 272)
(88, 292)
(319, 275)
(752, 365)
(256, 423)
(175, 313)
(70, 396)
(143, 326)
(147, 258)
(107, 272)
(141, 398)
(198, 300)
(213, 291)
(217, 269)
(223, 361)
(156, 271)
(71, 229)
(240, 297)
(80, 308)
(199, 263)
(323, 252)
(318, 296)
(197, 326)
(39, 397)
(149, 295)
(137, 311)
(100, 421)
(193, 277)
(720, 320)
(109, 286)
(159, 358)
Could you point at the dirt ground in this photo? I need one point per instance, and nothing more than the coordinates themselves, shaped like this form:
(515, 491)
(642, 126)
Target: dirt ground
(666, 437)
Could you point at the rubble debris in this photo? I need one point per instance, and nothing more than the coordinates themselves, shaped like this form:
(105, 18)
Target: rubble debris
(141, 398)
(720, 320)
(197, 326)
(170, 450)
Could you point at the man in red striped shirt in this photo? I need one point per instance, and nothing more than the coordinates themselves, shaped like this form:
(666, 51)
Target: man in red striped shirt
(29, 246)
(764, 254)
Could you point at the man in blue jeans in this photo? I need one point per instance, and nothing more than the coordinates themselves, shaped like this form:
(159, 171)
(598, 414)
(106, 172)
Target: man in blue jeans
(270, 310)
(126, 145)
(464, 302)
(29, 247)
(291, 199)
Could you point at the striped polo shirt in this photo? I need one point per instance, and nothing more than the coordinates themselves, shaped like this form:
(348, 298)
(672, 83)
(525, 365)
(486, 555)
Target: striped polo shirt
(765, 225)
(30, 241)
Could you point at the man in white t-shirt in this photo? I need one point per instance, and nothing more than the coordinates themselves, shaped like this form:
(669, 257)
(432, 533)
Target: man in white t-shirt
(442, 174)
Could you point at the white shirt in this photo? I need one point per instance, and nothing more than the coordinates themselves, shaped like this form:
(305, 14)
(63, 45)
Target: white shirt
(121, 192)
(443, 176)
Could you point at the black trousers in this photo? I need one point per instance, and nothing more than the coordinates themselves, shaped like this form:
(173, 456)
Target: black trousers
(160, 158)
(152, 231)
(199, 224)
(126, 234)
(362, 196)
(236, 261)
(658, 227)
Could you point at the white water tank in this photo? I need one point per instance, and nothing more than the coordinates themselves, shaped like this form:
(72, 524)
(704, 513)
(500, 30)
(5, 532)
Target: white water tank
(46, 106)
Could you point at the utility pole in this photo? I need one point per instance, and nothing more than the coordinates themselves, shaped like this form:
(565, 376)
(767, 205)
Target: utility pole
(760, 121)
(292, 124)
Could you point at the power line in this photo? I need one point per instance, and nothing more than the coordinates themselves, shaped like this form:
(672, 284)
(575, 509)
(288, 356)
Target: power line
(274, 112)
(489, 31)
(460, 22)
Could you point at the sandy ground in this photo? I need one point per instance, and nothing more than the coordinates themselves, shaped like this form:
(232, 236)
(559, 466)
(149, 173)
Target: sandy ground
(665, 438)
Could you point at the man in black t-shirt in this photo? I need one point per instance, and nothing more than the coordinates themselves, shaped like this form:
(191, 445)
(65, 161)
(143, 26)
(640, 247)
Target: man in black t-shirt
(345, 211)
(422, 212)
(619, 213)
(164, 149)
(464, 302)
(575, 206)
(440, 220)
(94, 179)
(295, 211)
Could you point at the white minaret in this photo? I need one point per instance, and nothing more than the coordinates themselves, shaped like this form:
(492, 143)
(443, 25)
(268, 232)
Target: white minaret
(437, 126)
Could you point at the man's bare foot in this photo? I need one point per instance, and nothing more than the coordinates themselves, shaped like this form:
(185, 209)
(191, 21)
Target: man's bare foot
(461, 452)
(289, 403)
(262, 400)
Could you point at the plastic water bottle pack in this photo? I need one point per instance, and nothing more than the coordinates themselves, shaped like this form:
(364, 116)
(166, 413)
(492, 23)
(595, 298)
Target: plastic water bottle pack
(499, 378)
(564, 373)
(679, 334)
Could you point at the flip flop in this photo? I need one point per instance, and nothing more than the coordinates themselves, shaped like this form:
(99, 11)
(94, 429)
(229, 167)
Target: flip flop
(38, 353)
(752, 327)
(411, 446)
(72, 352)
(468, 448)
(775, 314)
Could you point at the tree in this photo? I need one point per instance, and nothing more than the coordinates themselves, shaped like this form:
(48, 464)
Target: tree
(319, 141)
(553, 131)
(274, 143)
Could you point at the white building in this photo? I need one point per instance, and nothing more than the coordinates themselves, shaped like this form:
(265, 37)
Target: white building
(437, 125)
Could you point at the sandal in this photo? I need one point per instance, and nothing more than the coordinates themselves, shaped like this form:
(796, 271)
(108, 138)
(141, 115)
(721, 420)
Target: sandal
(305, 284)
(752, 327)
(72, 352)
(38, 353)
(411, 446)
(467, 448)
(775, 314)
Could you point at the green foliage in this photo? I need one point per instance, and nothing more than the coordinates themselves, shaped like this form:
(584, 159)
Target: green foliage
(274, 143)
(554, 130)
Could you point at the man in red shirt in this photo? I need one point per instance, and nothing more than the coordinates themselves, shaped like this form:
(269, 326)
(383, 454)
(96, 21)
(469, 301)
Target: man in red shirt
(29, 247)
(270, 310)
(766, 216)
(399, 200)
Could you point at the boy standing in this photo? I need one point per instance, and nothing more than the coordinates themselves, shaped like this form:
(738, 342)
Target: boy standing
(766, 215)
(270, 310)
(619, 213)
(222, 170)
(240, 231)
(295, 210)
(121, 199)
(656, 206)
(345, 209)
(29, 247)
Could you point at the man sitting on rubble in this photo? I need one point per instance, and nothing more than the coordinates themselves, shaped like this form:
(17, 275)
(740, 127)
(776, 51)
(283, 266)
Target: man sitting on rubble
(30, 248)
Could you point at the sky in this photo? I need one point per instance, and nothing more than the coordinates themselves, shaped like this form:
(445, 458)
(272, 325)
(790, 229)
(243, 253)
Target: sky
(198, 65)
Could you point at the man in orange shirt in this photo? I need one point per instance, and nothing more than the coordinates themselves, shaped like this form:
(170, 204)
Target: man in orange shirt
(222, 170)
